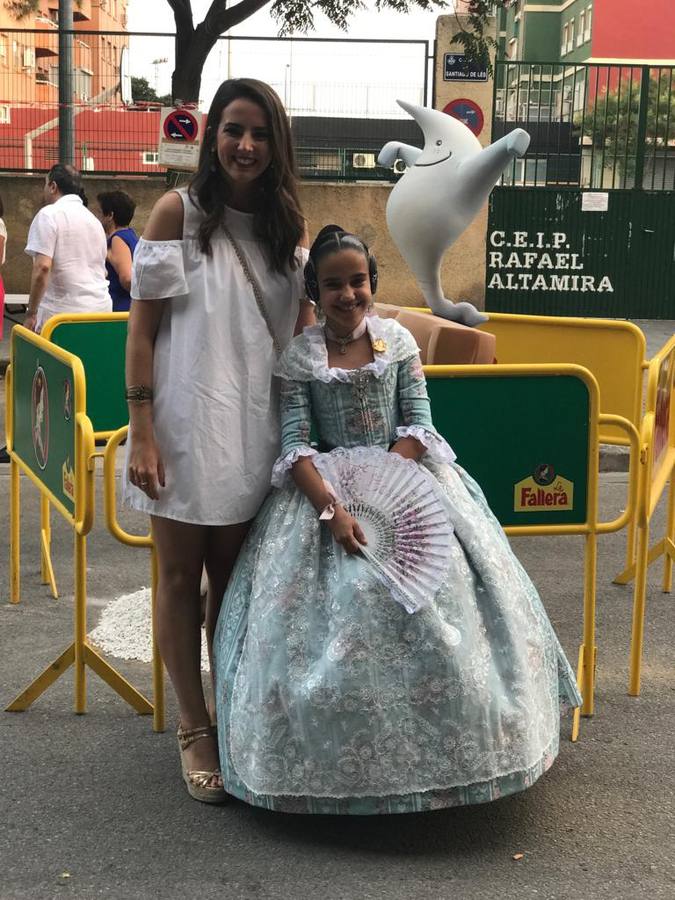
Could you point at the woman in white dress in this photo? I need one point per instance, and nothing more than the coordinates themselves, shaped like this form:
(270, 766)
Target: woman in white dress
(216, 285)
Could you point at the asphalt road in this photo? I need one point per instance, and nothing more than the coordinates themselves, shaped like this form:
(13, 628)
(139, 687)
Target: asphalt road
(94, 806)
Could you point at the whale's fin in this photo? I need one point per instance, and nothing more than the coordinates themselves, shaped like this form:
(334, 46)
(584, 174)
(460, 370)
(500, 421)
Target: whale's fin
(464, 312)
(394, 150)
(481, 172)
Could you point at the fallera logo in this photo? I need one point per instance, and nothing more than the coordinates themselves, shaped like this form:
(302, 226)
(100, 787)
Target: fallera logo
(543, 491)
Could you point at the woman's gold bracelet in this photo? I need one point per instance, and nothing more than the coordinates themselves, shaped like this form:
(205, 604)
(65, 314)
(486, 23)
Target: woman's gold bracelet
(139, 393)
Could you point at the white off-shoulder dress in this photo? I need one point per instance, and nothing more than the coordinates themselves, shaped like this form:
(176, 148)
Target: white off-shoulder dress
(215, 408)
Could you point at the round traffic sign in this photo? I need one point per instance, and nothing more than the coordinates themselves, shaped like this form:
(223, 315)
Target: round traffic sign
(466, 111)
(181, 125)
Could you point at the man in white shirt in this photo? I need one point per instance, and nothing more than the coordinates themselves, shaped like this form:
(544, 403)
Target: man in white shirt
(68, 246)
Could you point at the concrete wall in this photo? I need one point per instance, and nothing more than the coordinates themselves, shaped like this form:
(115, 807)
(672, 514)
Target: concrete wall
(357, 207)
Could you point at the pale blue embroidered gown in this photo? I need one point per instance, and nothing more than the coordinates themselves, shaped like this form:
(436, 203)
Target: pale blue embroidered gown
(331, 698)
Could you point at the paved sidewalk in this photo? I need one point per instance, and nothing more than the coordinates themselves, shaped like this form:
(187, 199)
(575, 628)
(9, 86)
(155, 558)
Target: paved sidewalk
(94, 806)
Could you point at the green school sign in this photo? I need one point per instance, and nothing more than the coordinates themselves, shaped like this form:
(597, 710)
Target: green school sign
(567, 252)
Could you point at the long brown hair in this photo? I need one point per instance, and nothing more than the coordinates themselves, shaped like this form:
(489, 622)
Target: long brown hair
(277, 221)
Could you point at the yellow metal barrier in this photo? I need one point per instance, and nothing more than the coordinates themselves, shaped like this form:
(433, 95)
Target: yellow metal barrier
(615, 352)
(102, 353)
(58, 402)
(135, 540)
(589, 526)
(657, 453)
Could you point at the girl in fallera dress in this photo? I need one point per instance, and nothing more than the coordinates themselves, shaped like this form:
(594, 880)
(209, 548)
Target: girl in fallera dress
(331, 696)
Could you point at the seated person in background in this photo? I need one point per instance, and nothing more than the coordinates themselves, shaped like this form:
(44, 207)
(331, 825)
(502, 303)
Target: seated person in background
(116, 212)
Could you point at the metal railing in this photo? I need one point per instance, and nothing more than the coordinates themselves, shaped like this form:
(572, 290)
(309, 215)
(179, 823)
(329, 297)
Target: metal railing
(596, 126)
(338, 122)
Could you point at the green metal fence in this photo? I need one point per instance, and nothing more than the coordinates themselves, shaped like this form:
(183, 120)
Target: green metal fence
(584, 224)
(593, 126)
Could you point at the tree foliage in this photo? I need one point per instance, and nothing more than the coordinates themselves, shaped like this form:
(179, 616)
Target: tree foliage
(471, 32)
(142, 91)
(21, 8)
(610, 123)
(194, 42)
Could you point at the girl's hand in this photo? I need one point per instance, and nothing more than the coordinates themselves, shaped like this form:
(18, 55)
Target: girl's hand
(146, 469)
(409, 448)
(346, 531)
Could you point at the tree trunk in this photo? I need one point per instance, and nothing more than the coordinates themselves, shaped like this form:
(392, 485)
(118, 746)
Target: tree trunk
(192, 50)
(193, 45)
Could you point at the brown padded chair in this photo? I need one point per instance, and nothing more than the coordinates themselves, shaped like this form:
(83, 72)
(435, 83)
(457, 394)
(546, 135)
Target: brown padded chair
(442, 342)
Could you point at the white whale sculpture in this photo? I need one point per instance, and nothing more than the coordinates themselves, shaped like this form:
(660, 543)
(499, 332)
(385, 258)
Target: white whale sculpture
(440, 194)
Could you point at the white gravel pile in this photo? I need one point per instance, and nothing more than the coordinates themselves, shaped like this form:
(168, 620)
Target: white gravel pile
(125, 629)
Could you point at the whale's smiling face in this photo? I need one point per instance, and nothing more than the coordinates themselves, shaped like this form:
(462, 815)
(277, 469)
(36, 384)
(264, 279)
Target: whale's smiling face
(446, 154)
(445, 138)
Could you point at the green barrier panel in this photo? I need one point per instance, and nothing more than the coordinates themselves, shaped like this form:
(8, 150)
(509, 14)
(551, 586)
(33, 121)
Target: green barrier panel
(523, 438)
(44, 418)
(101, 347)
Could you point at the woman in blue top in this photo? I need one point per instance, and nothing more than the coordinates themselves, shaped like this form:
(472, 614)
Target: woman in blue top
(117, 211)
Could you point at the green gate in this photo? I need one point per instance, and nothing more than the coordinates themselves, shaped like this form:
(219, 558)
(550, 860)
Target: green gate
(585, 223)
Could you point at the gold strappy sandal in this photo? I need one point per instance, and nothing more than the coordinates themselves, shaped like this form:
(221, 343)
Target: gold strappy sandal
(199, 782)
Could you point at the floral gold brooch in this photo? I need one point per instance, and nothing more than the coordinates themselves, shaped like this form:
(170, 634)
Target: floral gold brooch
(379, 345)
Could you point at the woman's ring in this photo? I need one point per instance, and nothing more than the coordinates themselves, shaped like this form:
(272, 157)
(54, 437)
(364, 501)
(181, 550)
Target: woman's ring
(143, 483)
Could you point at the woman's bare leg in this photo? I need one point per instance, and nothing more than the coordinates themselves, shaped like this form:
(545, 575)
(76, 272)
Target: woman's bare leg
(222, 548)
(181, 550)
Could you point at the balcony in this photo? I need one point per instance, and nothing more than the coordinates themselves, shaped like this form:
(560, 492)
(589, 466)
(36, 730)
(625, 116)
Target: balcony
(82, 11)
(46, 92)
(47, 38)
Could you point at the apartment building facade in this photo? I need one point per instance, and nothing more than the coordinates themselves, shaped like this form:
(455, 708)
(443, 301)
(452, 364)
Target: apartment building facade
(29, 92)
(29, 59)
(588, 31)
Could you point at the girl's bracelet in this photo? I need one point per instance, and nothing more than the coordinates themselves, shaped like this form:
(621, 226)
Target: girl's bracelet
(328, 512)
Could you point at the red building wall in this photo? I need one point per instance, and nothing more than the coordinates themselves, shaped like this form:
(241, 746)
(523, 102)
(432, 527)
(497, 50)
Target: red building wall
(115, 139)
(633, 29)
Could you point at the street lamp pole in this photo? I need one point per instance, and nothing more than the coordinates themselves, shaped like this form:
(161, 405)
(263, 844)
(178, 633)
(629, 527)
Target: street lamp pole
(157, 63)
(66, 116)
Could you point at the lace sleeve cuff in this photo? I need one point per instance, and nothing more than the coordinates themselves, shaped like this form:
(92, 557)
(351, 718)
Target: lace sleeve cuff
(438, 449)
(285, 463)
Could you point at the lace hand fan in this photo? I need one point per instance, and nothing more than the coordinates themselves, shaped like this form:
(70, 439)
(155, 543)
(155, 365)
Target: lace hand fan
(401, 512)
